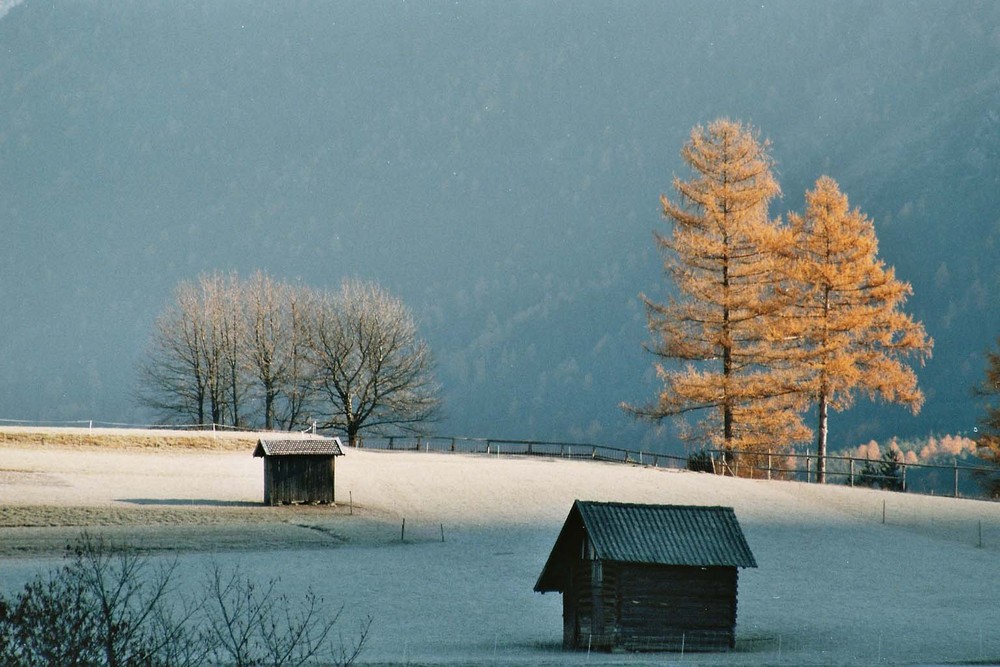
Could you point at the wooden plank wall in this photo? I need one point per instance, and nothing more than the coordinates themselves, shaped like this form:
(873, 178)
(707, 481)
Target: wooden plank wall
(667, 608)
(298, 479)
(648, 607)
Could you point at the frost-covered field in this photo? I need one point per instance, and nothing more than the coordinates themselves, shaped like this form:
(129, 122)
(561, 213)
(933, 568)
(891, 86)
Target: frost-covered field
(835, 585)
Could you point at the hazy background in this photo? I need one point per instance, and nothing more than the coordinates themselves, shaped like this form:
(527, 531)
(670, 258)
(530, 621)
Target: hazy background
(497, 165)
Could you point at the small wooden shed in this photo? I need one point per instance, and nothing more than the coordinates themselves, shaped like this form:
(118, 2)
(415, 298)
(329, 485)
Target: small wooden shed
(647, 577)
(299, 471)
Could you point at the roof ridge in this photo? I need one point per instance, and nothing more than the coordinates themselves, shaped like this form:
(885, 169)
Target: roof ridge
(652, 505)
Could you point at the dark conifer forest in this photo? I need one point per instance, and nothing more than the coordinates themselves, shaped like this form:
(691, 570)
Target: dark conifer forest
(497, 166)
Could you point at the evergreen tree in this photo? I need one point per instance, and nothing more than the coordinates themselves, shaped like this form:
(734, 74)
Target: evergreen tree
(853, 334)
(886, 473)
(725, 325)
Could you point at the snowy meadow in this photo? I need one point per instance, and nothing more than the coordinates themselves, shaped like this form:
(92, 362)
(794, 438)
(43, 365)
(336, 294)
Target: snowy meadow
(846, 576)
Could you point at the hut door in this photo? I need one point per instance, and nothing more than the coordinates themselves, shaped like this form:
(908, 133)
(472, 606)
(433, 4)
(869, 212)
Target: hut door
(571, 624)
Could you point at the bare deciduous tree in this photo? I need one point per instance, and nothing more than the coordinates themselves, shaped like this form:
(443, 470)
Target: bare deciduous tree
(193, 370)
(270, 354)
(174, 377)
(371, 368)
(275, 344)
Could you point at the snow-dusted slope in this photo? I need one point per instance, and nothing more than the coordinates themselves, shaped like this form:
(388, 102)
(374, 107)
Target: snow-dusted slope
(835, 584)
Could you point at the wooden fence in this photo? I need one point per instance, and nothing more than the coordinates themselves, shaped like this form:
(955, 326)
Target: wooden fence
(956, 480)
(503, 447)
(933, 479)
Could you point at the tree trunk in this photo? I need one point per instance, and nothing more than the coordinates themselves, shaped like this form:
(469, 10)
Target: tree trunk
(268, 408)
(821, 431)
(727, 368)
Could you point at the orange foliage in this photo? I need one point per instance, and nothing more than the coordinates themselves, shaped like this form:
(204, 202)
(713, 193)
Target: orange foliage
(725, 322)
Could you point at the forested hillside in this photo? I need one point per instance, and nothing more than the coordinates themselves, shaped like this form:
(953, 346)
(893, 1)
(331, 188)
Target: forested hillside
(497, 166)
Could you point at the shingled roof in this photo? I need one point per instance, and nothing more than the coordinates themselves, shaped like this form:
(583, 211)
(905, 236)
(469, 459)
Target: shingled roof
(684, 535)
(299, 447)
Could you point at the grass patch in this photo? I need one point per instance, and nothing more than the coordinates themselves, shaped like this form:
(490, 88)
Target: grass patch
(124, 439)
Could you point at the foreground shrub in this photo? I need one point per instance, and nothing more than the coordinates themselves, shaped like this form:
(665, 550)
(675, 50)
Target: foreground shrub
(110, 606)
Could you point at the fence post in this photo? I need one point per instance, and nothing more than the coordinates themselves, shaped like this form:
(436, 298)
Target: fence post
(488, 447)
(768, 466)
(904, 477)
(956, 477)
(808, 469)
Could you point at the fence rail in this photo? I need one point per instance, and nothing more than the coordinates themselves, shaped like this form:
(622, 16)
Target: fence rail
(926, 478)
(504, 447)
(929, 478)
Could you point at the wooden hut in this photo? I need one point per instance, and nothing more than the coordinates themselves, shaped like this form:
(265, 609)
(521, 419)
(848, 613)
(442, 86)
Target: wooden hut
(647, 577)
(299, 471)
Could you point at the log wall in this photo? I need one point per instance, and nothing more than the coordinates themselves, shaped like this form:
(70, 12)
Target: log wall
(649, 607)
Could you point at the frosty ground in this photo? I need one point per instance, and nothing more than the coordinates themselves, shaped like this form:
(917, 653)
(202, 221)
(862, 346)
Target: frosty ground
(835, 584)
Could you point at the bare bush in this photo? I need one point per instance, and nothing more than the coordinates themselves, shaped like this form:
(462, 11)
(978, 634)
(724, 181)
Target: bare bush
(251, 624)
(111, 606)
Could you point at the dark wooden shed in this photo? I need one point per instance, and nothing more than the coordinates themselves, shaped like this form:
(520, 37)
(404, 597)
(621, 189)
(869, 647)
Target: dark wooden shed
(647, 577)
(299, 471)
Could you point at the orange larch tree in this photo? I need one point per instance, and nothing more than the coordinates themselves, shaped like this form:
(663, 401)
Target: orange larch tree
(852, 333)
(726, 323)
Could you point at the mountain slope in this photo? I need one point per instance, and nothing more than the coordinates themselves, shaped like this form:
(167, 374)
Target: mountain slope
(497, 166)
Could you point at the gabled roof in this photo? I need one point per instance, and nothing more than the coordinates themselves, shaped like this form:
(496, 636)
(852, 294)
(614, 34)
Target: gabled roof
(300, 447)
(684, 535)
